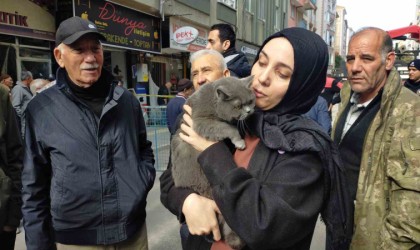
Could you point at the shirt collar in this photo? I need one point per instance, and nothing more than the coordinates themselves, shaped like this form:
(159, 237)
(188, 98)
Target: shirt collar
(354, 100)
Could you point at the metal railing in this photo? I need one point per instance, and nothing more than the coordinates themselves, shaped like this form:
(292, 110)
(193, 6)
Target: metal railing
(158, 134)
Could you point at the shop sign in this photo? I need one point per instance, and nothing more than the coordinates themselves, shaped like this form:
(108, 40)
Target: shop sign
(122, 27)
(185, 35)
(198, 43)
(34, 19)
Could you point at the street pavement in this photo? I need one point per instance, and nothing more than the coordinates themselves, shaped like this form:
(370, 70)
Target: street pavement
(163, 227)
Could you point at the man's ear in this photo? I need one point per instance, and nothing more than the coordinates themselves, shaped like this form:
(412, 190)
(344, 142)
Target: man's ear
(59, 57)
(390, 60)
(226, 45)
(226, 73)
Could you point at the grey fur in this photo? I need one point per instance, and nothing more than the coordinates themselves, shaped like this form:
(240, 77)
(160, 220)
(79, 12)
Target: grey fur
(214, 107)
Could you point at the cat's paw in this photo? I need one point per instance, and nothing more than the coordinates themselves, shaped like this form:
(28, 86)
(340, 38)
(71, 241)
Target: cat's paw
(233, 240)
(239, 144)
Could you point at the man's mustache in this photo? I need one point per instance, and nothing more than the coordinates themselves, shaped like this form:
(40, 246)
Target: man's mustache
(90, 66)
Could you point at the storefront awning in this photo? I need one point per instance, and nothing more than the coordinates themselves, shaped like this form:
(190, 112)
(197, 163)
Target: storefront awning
(413, 30)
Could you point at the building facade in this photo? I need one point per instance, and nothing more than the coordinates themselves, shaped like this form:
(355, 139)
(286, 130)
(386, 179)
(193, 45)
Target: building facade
(157, 49)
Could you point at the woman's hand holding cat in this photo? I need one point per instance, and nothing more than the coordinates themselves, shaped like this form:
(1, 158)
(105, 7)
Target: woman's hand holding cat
(189, 135)
(201, 216)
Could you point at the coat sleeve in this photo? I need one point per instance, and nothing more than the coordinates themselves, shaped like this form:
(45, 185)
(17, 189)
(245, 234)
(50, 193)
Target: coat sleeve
(13, 164)
(275, 202)
(401, 227)
(36, 179)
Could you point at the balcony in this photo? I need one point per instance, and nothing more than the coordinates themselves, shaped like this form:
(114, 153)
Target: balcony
(296, 3)
(309, 5)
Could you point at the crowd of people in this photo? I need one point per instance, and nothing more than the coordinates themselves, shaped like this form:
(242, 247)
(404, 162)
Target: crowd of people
(77, 166)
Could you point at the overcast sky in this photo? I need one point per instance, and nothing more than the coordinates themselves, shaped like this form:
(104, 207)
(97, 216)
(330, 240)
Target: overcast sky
(384, 14)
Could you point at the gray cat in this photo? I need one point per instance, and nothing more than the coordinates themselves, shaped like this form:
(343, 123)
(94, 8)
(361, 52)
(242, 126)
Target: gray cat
(214, 106)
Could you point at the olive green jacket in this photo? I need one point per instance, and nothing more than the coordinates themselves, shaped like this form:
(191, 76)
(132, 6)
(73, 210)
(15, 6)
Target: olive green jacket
(11, 157)
(387, 206)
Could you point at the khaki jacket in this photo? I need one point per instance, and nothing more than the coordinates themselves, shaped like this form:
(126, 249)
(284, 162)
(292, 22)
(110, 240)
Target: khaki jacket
(387, 207)
(11, 157)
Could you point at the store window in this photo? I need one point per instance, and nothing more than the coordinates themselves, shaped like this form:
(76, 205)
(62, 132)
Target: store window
(261, 9)
(33, 42)
(248, 5)
(230, 3)
(39, 69)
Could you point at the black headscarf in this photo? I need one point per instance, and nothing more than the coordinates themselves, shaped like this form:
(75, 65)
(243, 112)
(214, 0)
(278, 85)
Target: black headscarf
(283, 128)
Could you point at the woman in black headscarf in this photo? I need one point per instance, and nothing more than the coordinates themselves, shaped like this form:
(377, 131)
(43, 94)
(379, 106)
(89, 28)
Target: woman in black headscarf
(272, 192)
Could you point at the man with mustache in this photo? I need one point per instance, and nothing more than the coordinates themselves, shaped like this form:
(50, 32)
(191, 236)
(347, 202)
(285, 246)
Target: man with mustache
(378, 133)
(88, 165)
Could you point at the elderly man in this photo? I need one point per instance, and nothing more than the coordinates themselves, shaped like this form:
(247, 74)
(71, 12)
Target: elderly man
(200, 212)
(21, 95)
(378, 133)
(37, 85)
(11, 156)
(88, 165)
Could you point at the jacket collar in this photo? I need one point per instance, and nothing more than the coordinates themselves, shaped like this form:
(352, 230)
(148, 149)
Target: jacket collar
(115, 92)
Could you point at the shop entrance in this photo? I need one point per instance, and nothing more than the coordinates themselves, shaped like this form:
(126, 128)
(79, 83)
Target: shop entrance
(38, 68)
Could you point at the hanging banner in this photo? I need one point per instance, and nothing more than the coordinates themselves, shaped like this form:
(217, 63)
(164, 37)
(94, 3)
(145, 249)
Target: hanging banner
(122, 27)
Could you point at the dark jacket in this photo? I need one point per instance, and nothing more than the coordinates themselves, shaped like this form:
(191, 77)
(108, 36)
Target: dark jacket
(84, 180)
(319, 113)
(239, 65)
(288, 217)
(173, 109)
(11, 157)
(162, 100)
(413, 86)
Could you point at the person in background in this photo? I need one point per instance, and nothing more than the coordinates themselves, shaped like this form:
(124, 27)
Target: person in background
(37, 85)
(88, 165)
(164, 92)
(185, 88)
(206, 66)
(7, 81)
(272, 192)
(11, 156)
(413, 81)
(222, 38)
(320, 113)
(331, 92)
(378, 134)
(21, 94)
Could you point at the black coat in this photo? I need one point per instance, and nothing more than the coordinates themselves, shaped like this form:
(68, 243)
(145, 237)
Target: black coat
(282, 194)
(239, 66)
(88, 178)
(11, 157)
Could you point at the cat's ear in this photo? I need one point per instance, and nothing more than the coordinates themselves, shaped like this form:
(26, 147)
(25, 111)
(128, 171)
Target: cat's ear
(222, 93)
(248, 81)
